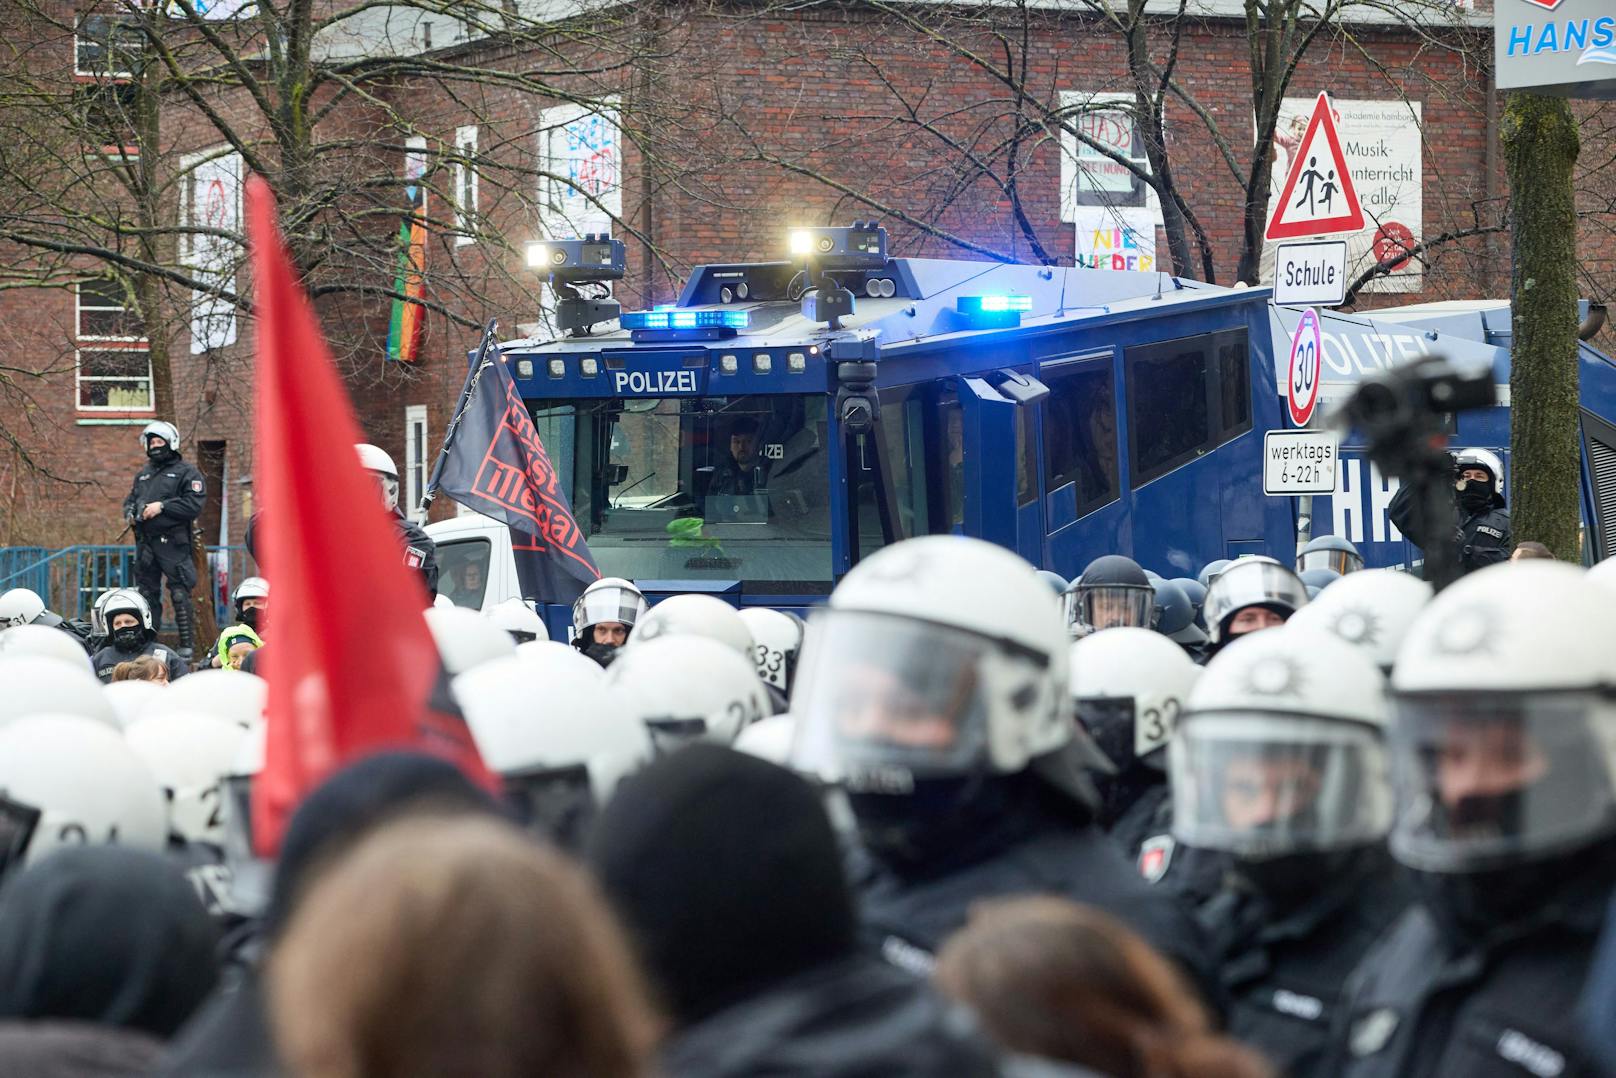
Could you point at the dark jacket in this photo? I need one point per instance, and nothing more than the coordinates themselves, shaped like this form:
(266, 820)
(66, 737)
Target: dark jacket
(75, 1050)
(1425, 1005)
(180, 487)
(856, 1016)
(1282, 968)
(420, 552)
(1479, 539)
(109, 657)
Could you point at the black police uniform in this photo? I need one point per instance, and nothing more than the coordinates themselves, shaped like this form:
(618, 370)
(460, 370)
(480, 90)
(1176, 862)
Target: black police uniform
(1190, 874)
(1480, 539)
(1282, 963)
(109, 657)
(420, 552)
(1432, 1003)
(1031, 848)
(163, 543)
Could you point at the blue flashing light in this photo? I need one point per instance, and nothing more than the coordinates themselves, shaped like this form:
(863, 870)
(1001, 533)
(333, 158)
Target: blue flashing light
(678, 318)
(993, 304)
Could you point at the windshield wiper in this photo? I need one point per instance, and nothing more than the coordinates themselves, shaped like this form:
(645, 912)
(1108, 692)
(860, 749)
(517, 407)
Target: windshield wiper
(631, 486)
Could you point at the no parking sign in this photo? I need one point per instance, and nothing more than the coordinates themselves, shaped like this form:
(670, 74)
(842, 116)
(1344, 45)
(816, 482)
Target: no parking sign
(1302, 382)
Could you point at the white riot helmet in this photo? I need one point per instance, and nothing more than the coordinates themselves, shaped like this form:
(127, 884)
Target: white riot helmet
(554, 658)
(67, 780)
(253, 587)
(776, 640)
(519, 619)
(1129, 686)
(687, 688)
(1280, 750)
(131, 697)
(1247, 582)
(696, 615)
(1372, 609)
(609, 599)
(1484, 459)
(128, 601)
(98, 617)
(19, 606)
(233, 696)
(936, 658)
(557, 743)
(168, 432)
(42, 640)
(769, 738)
(375, 459)
(466, 639)
(190, 755)
(1504, 727)
(41, 684)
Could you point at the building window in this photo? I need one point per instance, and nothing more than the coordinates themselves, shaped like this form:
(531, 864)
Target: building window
(1080, 430)
(103, 313)
(415, 460)
(1185, 398)
(115, 379)
(465, 184)
(108, 46)
(106, 112)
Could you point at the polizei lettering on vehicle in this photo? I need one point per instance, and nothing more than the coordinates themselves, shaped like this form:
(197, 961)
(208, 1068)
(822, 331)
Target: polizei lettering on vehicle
(654, 382)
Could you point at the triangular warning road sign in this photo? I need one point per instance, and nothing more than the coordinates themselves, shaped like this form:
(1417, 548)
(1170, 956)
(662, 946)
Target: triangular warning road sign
(1318, 198)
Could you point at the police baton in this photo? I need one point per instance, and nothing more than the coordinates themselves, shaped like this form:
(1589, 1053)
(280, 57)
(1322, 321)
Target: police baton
(477, 366)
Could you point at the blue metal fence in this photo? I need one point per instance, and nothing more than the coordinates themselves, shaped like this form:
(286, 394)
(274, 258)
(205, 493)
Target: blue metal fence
(69, 579)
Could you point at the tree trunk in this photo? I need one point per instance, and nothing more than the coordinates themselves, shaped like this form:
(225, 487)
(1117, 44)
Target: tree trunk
(1540, 143)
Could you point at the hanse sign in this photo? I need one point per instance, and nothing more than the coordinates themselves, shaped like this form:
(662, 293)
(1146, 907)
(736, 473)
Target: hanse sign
(1564, 47)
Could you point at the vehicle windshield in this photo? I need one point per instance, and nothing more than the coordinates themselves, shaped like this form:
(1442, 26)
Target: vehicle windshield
(697, 488)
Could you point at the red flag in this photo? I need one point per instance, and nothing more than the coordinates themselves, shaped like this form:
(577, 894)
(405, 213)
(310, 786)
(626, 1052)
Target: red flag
(354, 669)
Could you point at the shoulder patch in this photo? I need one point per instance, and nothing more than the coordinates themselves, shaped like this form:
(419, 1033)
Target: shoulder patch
(196, 485)
(1155, 856)
(414, 557)
(161, 655)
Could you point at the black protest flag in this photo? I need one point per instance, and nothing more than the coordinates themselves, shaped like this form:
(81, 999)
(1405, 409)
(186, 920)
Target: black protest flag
(495, 464)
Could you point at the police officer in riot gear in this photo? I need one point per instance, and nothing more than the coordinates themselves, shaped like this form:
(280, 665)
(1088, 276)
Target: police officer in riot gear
(934, 691)
(1129, 686)
(162, 505)
(131, 633)
(1174, 617)
(1331, 552)
(1253, 593)
(20, 606)
(1480, 531)
(604, 616)
(1112, 592)
(1280, 765)
(1503, 743)
(420, 552)
(1372, 610)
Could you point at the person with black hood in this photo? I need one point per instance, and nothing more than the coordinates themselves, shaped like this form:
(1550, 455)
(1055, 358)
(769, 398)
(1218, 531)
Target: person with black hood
(934, 691)
(727, 873)
(1280, 766)
(1503, 740)
(105, 951)
(163, 503)
(229, 1036)
(131, 633)
(1479, 531)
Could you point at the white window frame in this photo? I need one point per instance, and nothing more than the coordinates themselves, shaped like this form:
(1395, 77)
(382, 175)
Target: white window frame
(465, 183)
(416, 448)
(79, 307)
(79, 378)
(113, 20)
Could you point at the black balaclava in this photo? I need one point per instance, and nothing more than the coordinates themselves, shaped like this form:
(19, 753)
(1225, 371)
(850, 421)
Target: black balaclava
(105, 934)
(1472, 907)
(129, 638)
(159, 454)
(726, 872)
(1475, 496)
(248, 616)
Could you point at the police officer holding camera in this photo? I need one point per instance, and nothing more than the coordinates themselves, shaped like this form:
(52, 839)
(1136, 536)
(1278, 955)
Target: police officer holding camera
(163, 503)
(1481, 536)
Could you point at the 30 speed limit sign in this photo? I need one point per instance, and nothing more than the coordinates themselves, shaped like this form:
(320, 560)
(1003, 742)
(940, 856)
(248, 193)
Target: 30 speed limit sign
(1302, 383)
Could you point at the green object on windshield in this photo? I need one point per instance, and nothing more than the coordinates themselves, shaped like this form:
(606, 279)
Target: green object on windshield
(687, 532)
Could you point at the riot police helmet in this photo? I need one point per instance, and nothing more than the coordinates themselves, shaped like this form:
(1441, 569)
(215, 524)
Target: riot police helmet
(1129, 687)
(684, 688)
(517, 617)
(190, 755)
(1174, 615)
(609, 600)
(44, 640)
(1057, 583)
(229, 696)
(1316, 580)
(1209, 572)
(35, 684)
(1112, 592)
(1259, 583)
(466, 639)
(19, 606)
(1329, 552)
(1372, 609)
(377, 461)
(131, 602)
(696, 615)
(168, 432)
(776, 642)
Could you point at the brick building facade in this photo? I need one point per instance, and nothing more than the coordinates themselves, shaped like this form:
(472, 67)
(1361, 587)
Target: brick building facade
(733, 125)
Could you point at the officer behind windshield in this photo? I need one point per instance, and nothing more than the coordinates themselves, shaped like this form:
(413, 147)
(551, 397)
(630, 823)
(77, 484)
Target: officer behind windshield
(604, 616)
(934, 691)
(420, 552)
(1503, 742)
(163, 502)
(740, 472)
(131, 634)
(1480, 531)
(1280, 765)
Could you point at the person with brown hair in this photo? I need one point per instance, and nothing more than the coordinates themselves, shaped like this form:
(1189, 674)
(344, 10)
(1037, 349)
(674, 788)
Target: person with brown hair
(1048, 977)
(456, 945)
(141, 668)
(1529, 548)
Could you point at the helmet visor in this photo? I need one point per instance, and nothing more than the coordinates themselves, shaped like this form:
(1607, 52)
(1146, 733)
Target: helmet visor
(887, 701)
(1252, 583)
(1340, 561)
(1262, 786)
(1109, 721)
(607, 604)
(1486, 782)
(17, 824)
(1090, 608)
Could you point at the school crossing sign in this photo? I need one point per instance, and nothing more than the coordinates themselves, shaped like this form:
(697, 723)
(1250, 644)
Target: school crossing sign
(1318, 198)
